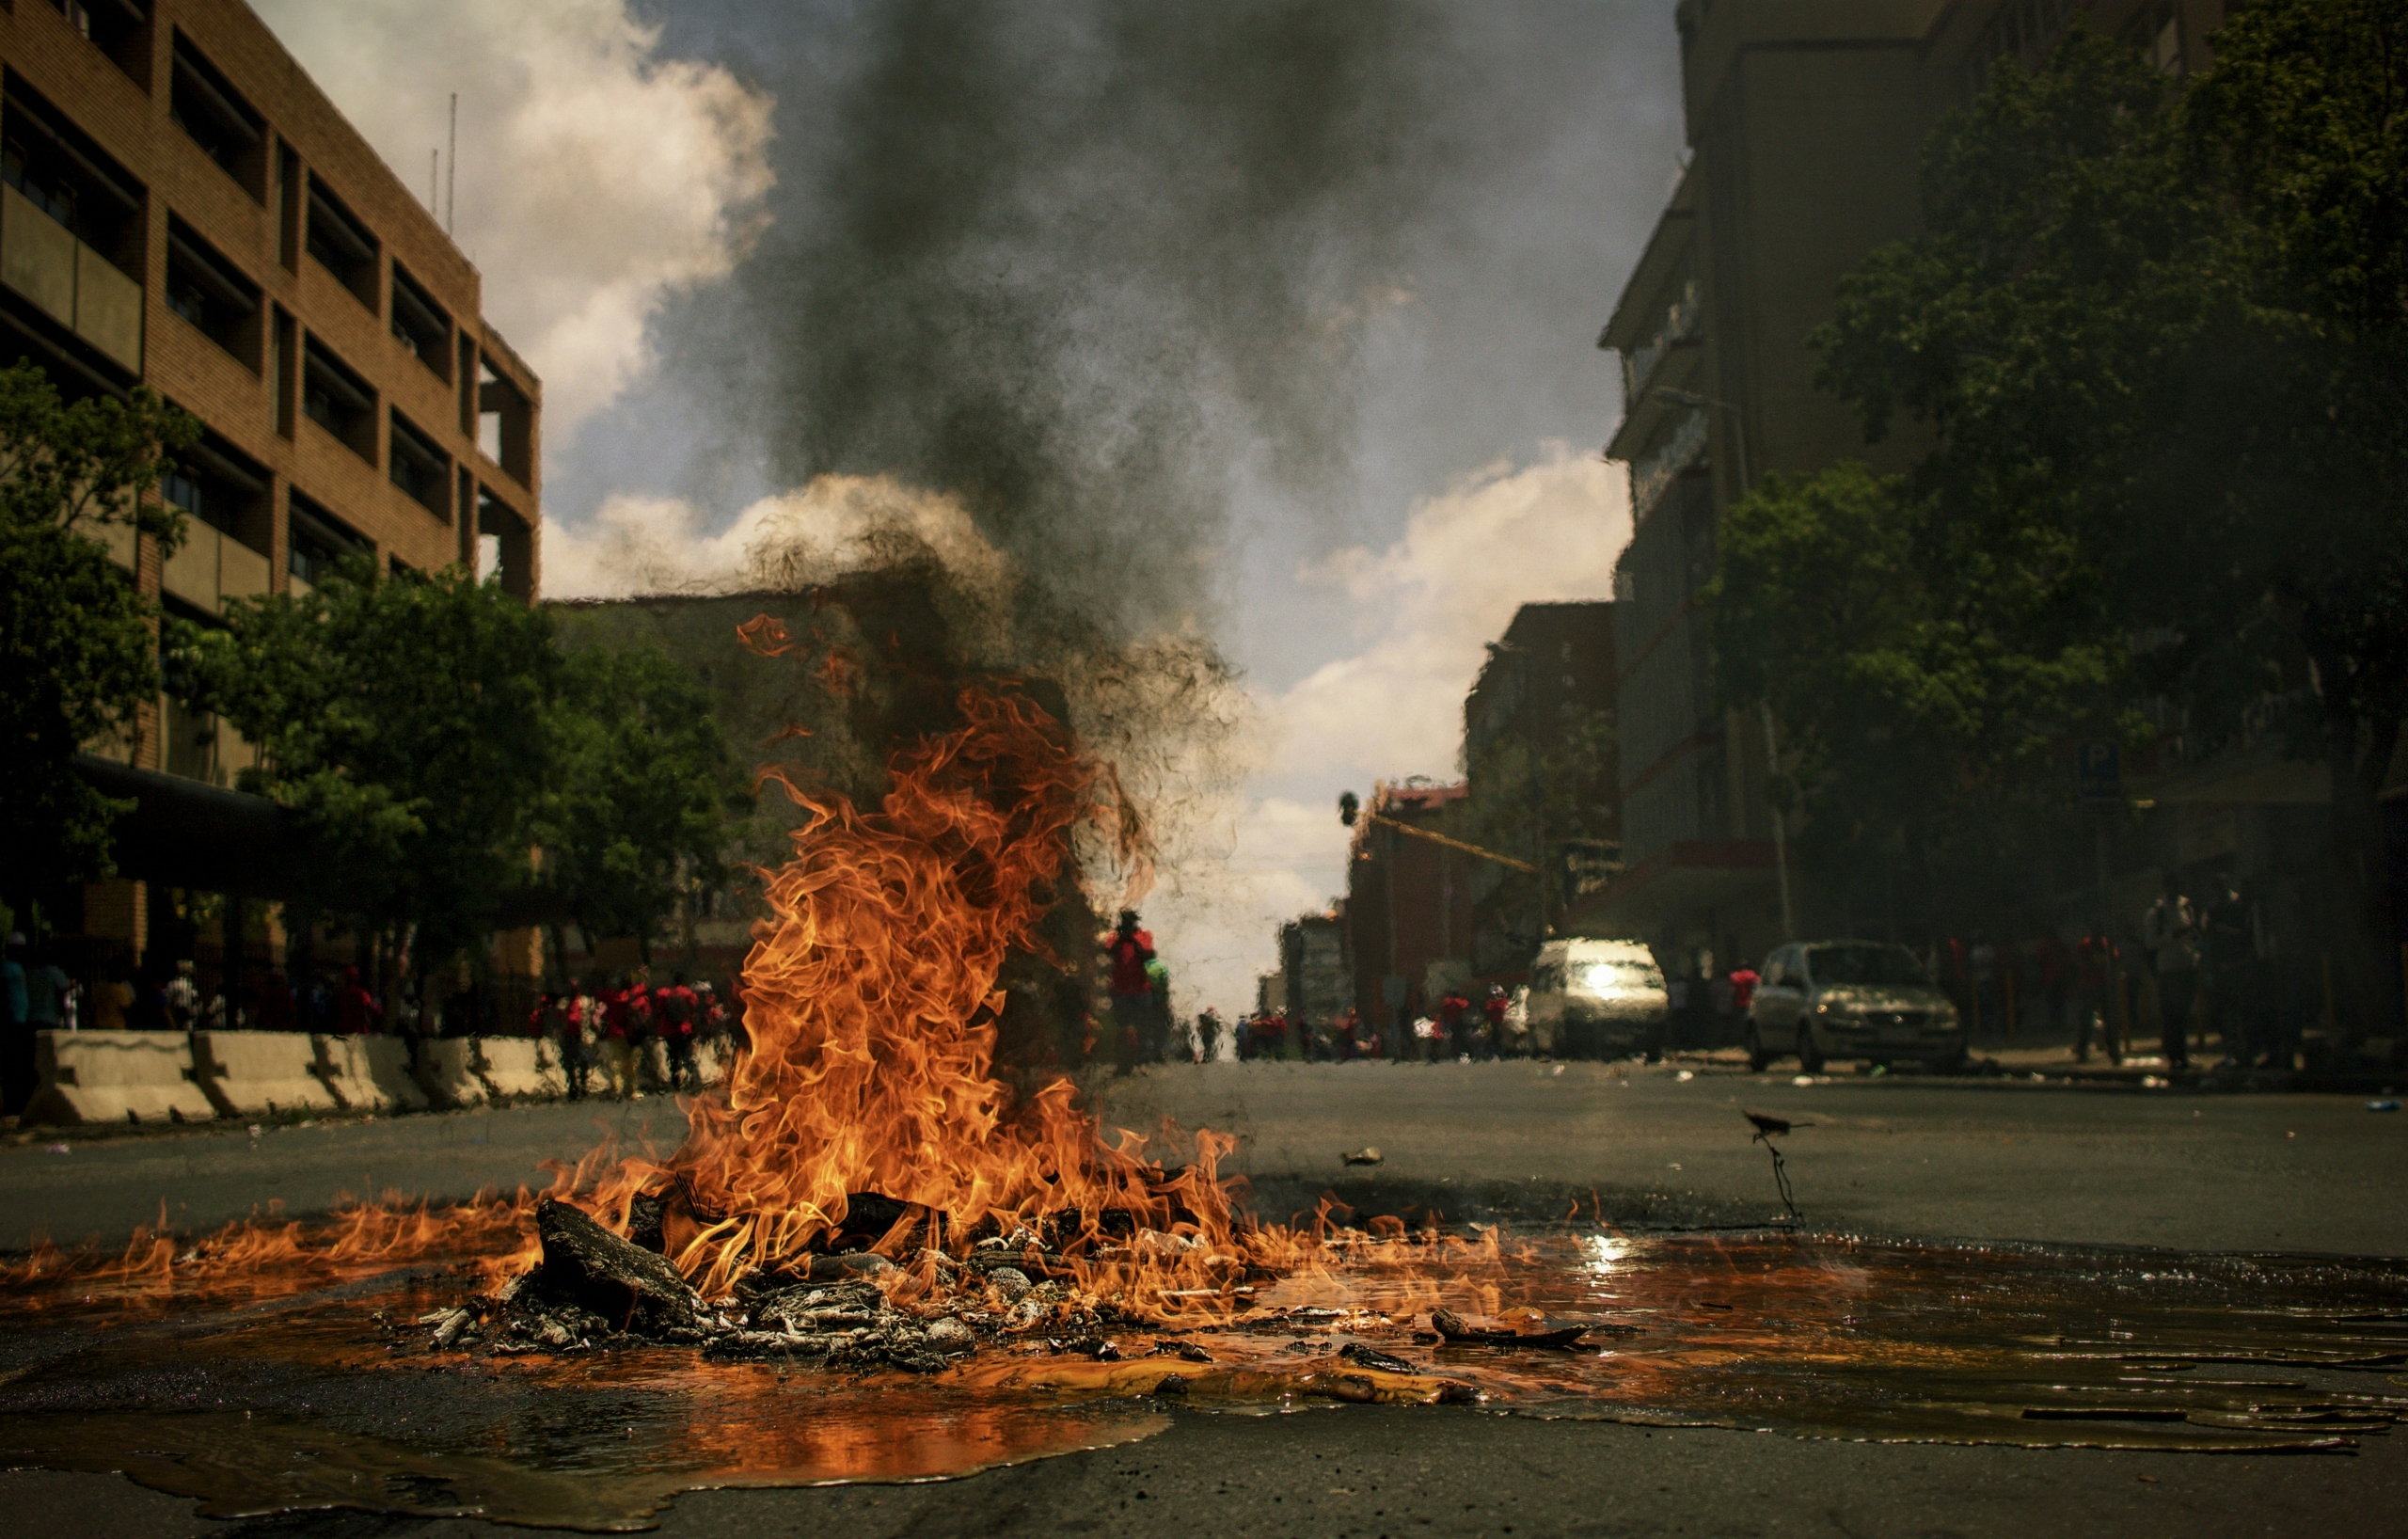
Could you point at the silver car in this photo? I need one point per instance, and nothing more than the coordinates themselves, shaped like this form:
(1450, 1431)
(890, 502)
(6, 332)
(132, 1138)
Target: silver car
(1870, 1000)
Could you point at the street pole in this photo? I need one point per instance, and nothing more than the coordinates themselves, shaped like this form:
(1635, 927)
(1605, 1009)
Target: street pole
(1779, 824)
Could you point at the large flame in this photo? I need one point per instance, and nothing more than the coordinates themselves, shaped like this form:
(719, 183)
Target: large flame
(871, 1004)
(870, 999)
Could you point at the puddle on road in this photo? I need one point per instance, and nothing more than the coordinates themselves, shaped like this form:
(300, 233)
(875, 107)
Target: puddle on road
(316, 1401)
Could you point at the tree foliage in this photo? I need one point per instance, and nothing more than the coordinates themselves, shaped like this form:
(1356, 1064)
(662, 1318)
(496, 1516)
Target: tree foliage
(634, 818)
(2155, 328)
(78, 659)
(433, 737)
(406, 722)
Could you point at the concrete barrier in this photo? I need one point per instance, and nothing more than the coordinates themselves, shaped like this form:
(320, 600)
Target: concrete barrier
(447, 1068)
(520, 1069)
(369, 1073)
(116, 1076)
(258, 1073)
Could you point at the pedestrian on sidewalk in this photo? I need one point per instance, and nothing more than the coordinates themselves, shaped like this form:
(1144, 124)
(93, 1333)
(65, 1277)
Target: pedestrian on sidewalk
(674, 1011)
(619, 1044)
(2170, 935)
(2092, 1002)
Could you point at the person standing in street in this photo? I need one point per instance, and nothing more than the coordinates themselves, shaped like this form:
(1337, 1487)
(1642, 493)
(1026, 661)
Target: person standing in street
(2091, 999)
(2229, 935)
(2169, 933)
(1495, 1008)
(1129, 949)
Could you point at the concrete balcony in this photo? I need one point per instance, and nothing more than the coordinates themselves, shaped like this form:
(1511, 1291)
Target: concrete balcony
(68, 281)
(210, 568)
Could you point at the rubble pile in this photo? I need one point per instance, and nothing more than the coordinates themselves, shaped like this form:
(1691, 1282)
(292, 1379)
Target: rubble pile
(593, 1288)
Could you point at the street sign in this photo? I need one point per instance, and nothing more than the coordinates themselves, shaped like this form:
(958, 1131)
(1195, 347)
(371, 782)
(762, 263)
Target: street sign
(2099, 771)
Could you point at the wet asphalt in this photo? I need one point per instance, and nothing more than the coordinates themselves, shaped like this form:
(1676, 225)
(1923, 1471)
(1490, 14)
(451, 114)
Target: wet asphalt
(1901, 1155)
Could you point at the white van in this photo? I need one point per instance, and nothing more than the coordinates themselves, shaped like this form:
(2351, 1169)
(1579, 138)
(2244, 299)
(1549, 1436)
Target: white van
(1596, 999)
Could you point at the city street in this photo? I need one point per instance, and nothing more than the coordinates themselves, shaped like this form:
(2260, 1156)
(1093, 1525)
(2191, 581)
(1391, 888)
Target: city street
(1996, 1160)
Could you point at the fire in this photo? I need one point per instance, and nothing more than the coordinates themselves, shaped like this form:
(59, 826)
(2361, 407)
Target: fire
(871, 1002)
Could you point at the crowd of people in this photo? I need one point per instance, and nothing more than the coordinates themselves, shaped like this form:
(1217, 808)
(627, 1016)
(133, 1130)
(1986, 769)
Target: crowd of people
(604, 1028)
(614, 1025)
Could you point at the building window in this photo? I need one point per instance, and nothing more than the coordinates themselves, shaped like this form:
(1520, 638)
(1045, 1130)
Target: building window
(341, 245)
(315, 541)
(214, 117)
(120, 29)
(178, 489)
(422, 327)
(337, 399)
(69, 178)
(421, 468)
(213, 293)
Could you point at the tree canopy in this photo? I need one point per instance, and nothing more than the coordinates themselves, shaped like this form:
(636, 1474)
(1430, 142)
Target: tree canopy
(77, 655)
(2154, 327)
(635, 817)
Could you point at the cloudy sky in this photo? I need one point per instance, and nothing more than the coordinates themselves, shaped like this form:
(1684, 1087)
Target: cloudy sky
(1269, 320)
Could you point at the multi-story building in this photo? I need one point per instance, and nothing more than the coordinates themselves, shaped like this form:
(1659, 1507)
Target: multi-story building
(183, 209)
(1315, 986)
(1541, 776)
(1805, 126)
(1408, 904)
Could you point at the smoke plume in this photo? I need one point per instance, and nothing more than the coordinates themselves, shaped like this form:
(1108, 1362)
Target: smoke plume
(1086, 269)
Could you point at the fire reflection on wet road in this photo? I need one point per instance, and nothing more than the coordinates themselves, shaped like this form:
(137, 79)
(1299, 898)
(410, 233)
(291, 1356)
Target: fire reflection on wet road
(326, 1399)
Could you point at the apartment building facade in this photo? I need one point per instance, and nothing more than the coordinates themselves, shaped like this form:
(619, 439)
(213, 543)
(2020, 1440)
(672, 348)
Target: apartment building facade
(1542, 706)
(181, 208)
(1805, 125)
(1407, 915)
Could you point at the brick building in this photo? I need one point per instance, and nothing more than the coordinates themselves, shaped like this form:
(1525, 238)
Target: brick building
(1408, 919)
(183, 209)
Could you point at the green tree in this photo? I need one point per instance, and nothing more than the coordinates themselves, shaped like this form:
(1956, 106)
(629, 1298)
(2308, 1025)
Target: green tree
(1918, 675)
(636, 818)
(406, 722)
(77, 653)
(2155, 327)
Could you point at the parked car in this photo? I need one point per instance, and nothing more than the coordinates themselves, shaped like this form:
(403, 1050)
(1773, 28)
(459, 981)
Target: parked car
(1595, 999)
(1868, 1000)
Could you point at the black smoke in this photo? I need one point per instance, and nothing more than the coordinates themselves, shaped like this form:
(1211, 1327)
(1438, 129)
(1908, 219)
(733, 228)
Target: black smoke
(1091, 268)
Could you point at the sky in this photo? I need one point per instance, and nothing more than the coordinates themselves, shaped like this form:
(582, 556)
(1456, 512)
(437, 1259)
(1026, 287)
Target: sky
(1267, 323)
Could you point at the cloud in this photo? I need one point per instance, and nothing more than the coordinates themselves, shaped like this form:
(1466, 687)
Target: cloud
(1426, 605)
(1422, 609)
(595, 177)
(659, 545)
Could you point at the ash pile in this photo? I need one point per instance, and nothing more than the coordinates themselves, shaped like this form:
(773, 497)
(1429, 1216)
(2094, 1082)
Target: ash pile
(594, 1289)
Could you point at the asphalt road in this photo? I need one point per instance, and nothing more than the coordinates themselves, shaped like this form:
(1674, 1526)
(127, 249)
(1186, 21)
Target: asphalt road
(2091, 1165)
(1935, 1159)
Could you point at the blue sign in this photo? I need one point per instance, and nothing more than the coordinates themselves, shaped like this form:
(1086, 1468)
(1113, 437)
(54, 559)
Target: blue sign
(2099, 769)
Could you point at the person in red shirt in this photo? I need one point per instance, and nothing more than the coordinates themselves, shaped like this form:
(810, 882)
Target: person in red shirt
(356, 1012)
(674, 1011)
(1454, 1030)
(1493, 1008)
(1130, 949)
(1744, 980)
(619, 1041)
